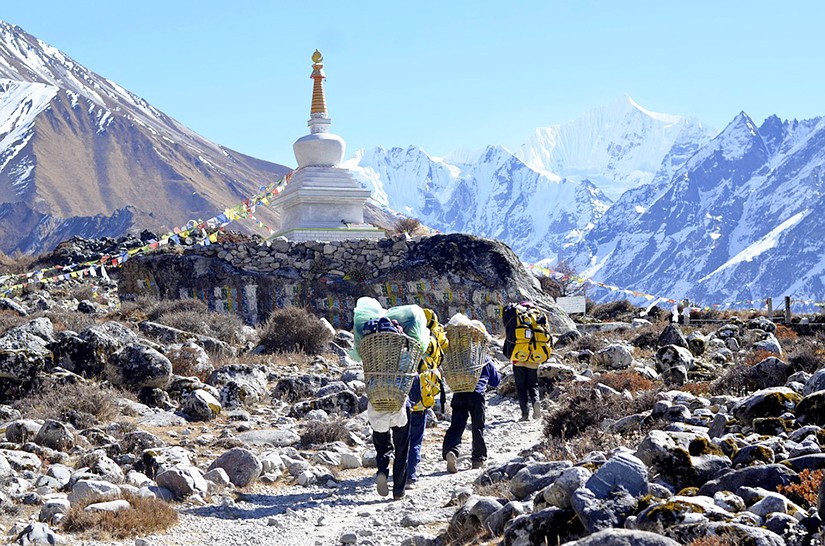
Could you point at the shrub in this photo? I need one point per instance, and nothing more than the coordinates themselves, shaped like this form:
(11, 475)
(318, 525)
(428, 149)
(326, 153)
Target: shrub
(625, 380)
(807, 356)
(698, 388)
(714, 540)
(63, 319)
(807, 490)
(292, 329)
(783, 333)
(318, 433)
(584, 407)
(145, 516)
(83, 404)
(757, 356)
(735, 381)
(9, 320)
(198, 319)
(614, 310)
(167, 307)
(410, 226)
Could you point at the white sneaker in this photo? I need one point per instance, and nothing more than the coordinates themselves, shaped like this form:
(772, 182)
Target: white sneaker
(381, 484)
(452, 463)
(536, 410)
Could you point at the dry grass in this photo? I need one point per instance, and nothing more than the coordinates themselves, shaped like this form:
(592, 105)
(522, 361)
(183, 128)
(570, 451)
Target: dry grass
(319, 433)
(498, 490)
(697, 388)
(583, 408)
(292, 329)
(63, 319)
(806, 355)
(81, 404)
(735, 381)
(574, 449)
(757, 356)
(783, 333)
(10, 319)
(146, 516)
(806, 491)
(614, 310)
(626, 380)
(410, 226)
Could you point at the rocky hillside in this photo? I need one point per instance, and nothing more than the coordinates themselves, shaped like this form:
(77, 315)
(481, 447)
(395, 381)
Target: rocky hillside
(80, 155)
(653, 433)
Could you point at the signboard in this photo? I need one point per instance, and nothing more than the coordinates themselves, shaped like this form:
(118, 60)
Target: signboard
(571, 304)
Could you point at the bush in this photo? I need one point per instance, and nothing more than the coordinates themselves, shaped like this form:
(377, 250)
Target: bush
(614, 310)
(584, 408)
(736, 381)
(755, 357)
(10, 319)
(807, 356)
(625, 380)
(63, 319)
(292, 329)
(783, 333)
(807, 490)
(145, 516)
(83, 404)
(410, 226)
(319, 433)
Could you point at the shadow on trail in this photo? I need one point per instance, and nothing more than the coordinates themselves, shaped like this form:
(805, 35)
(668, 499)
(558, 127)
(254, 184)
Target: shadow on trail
(262, 505)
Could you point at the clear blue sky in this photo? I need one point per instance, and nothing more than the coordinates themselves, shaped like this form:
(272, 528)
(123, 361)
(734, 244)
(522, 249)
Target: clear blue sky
(439, 74)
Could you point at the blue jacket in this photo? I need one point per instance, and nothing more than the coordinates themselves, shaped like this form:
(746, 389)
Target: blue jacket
(489, 376)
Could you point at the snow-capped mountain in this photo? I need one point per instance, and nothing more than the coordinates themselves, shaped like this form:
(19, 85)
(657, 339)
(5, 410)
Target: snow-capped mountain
(548, 195)
(80, 155)
(616, 147)
(742, 220)
(491, 193)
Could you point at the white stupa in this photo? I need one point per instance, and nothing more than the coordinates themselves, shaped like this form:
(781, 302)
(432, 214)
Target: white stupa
(323, 201)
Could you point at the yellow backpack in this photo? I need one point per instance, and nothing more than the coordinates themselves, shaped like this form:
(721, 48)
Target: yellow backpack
(429, 374)
(527, 334)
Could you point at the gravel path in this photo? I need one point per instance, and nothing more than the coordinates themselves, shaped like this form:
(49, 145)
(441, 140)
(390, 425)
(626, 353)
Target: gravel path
(296, 515)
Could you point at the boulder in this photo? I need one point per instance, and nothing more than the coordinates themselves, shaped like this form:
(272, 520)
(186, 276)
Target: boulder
(276, 437)
(38, 533)
(238, 385)
(616, 356)
(672, 335)
(670, 356)
(496, 521)
(201, 406)
(762, 323)
(766, 476)
(769, 344)
(340, 403)
(189, 358)
(679, 510)
(811, 409)
(137, 366)
(771, 402)
(54, 435)
(182, 481)
(241, 465)
(535, 477)
(560, 492)
(21, 431)
(697, 343)
(168, 334)
(23, 358)
(683, 459)
(86, 491)
(623, 537)
(623, 472)
(548, 526)
(597, 514)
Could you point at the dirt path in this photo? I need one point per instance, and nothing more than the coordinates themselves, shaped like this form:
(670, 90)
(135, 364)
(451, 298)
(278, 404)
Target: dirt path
(296, 515)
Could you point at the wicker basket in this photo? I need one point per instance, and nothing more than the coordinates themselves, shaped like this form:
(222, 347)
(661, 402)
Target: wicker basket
(464, 357)
(390, 361)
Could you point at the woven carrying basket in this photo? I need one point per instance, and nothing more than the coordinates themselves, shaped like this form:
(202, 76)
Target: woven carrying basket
(464, 357)
(390, 361)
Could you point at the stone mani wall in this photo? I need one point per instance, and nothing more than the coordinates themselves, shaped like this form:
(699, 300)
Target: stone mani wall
(447, 273)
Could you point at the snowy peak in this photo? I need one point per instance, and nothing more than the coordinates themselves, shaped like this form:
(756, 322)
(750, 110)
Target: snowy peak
(617, 147)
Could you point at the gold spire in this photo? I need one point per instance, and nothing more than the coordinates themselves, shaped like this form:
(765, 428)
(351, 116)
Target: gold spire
(319, 103)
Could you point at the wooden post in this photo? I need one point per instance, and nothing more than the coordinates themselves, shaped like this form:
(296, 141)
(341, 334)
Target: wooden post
(787, 310)
(769, 301)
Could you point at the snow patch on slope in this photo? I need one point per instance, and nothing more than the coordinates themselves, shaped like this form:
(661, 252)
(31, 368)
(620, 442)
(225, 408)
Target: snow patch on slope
(20, 103)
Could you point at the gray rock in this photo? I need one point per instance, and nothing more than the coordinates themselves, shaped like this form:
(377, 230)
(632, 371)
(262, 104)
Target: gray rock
(201, 406)
(217, 479)
(769, 344)
(771, 402)
(38, 533)
(697, 343)
(683, 459)
(21, 460)
(672, 335)
(52, 507)
(771, 503)
(340, 403)
(811, 409)
(769, 372)
(670, 356)
(762, 323)
(108, 506)
(276, 437)
(623, 472)
(767, 476)
(182, 481)
(748, 455)
(496, 521)
(623, 537)
(616, 356)
(137, 366)
(191, 358)
(239, 385)
(535, 477)
(54, 435)
(23, 357)
(21, 431)
(548, 526)
(93, 490)
(560, 492)
(737, 533)
(815, 383)
(333, 387)
(41, 327)
(100, 465)
(7, 304)
(241, 465)
(679, 510)
(597, 514)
